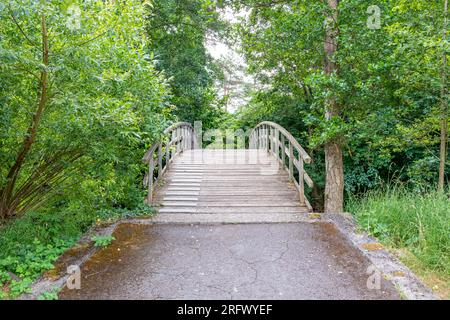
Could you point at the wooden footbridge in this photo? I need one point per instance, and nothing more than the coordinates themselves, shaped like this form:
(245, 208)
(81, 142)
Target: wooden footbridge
(263, 182)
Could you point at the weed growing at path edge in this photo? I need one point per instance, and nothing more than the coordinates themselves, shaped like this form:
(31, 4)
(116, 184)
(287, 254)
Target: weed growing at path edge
(403, 219)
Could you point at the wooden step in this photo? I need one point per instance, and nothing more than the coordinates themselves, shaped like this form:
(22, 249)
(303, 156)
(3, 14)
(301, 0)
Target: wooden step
(230, 182)
(222, 210)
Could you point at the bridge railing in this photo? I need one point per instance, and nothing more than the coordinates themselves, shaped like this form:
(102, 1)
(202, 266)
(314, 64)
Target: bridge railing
(175, 139)
(280, 143)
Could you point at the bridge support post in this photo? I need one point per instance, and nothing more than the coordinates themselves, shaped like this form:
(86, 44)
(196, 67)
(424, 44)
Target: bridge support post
(160, 159)
(274, 143)
(277, 144)
(301, 182)
(151, 168)
(177, 136)
(291, 162)
(259, 141)
(272, 136)
(174, 134)
(267, 138)
(167, 153)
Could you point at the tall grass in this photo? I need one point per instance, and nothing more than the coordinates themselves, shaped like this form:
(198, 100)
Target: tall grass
(402, 218)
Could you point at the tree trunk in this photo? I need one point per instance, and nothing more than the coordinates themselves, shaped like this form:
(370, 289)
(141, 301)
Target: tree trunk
(444, 117)
(7, 193)
(334, 185)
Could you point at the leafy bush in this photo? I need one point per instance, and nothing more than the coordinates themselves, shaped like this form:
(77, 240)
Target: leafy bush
(106, 103)
(32, 259)
(49, 295)
(102, 241)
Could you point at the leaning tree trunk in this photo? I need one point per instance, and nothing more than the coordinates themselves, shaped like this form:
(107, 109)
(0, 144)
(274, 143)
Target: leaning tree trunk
(334, 185)
(444, 117)
(7, 208)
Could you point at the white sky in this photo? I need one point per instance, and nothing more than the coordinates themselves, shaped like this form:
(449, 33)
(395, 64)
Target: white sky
(221, 51)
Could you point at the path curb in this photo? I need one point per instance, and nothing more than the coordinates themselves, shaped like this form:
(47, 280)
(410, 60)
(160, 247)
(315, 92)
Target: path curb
(407, 283)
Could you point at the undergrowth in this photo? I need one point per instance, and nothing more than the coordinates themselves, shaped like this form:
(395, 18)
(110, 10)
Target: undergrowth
(30, 245)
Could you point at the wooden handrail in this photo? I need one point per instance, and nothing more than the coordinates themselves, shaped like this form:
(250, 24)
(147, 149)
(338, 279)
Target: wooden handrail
(174, 140)
(273, 138)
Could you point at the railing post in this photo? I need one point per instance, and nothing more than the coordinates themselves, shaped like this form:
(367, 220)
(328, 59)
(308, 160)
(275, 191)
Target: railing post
(301, 181)
(183, 136)
(181, 139)
(272, 140)
(283, 150)
(168, 152)
(261, 137)
(268, 138)
(178, 140)
(258, 138)
(159, 160)
(291, 162)
(186, 140)
(277, 144)
(151, 168)
(174, 134)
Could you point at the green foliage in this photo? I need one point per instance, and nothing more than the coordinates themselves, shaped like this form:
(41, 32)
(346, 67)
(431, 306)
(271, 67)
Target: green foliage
(32, 259)
(177, 32)
(406, 219)
(102, 241)
(388, 84)
(27, 261)
(120, 71)
(105, 99)
(49, 295)
(18, 287)
(4, 277)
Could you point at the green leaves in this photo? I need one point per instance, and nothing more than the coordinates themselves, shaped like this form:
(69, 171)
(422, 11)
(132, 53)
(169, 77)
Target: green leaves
(177, 33)
(34, 258)
(416, 220)
(105, 99)
(388, 83)
(49, 295)
(102, 241)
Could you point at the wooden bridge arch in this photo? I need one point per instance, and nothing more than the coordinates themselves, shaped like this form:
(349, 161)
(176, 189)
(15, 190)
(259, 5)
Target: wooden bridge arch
(266, 178)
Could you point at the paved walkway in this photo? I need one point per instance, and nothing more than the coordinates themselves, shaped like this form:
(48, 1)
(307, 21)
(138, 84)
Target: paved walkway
(248, 261)
(230, 226)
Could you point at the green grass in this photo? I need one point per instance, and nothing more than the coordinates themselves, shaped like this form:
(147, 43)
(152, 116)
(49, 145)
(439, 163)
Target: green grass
(30, 245)
(419, 222)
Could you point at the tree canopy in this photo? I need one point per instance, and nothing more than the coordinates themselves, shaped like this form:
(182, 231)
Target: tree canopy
(388, 85)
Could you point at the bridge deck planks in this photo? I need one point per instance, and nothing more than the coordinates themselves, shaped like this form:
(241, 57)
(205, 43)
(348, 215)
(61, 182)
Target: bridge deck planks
(227, 182)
